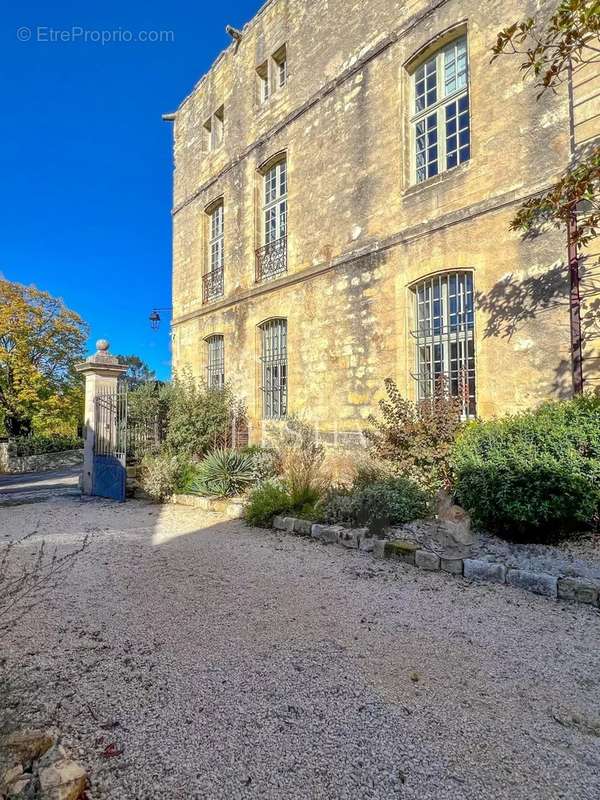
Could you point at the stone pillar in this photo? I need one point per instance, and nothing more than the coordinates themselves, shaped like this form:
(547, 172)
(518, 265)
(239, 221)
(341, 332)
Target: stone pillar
(102, 372)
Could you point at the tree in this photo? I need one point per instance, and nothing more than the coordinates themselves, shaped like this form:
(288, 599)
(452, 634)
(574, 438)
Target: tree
(40, 342)
(138, 371)
(553, 51)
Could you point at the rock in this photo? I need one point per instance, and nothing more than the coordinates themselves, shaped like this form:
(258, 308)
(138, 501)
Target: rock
(349, 538)
(56, 753)
(27, 745)
(20, 787)
(579, 589)
(303, 527)
(452, 565)
(536, 582)
(367, 544)
(402, 549)
(426, 560)
(379, 548)
(316, 529)
(454, 521)
(279, 523)
(484, 570)
(330, 534)
(64, 780)
(10, 775)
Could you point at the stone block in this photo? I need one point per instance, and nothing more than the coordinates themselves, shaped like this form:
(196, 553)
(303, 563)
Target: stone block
(316, 530)
(330, 534)
(349, 538)
(367, 544)
(484, 570)
(536, 582)
(379, 548)
(64, 780)
(401, 549)
(27, 745)
(424, 559)
(279, 523)
(452, 565)
(579, 589)
(302, 527)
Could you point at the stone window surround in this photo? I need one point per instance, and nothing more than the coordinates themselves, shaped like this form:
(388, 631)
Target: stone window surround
(272, 75)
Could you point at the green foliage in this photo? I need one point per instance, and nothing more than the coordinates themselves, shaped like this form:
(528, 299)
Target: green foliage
(302, 457)
(160, 474)
(223, 473)
(269, 499)
(415, 439)
(37, 445)
(533, 474)
(138, 372)
(266, 462)
(199, 416)
(392, 501)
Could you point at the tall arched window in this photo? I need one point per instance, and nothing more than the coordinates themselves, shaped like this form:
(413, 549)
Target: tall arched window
(444, 337)
(271, 258)
(215, 361)
(274, 368)
(440, 113)
(212, 280)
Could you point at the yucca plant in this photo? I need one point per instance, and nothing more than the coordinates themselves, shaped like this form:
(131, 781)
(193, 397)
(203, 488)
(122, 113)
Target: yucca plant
(223, 473)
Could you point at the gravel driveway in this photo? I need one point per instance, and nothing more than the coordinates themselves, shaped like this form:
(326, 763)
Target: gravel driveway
(227, 662)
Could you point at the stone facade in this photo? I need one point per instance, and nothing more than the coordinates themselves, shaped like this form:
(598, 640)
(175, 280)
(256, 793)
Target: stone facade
(360, 231)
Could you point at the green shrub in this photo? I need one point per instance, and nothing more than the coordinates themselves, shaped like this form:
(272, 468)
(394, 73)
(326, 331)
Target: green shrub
(38, 445)
(199, 416)
(267, 500)
(266, 462)
(533, 474)
(160, 474)
(391, 500)
(223, 473)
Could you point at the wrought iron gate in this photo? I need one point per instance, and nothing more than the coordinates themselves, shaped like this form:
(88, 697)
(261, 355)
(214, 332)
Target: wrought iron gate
(110, 445)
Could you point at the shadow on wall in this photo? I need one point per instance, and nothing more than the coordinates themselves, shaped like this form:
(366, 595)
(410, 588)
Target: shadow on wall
(513, 302)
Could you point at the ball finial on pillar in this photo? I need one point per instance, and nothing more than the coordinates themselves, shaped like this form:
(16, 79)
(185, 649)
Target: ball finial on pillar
(102, 346)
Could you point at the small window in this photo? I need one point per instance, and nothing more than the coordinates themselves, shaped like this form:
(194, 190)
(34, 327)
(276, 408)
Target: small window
(440, 115)
(215, 362)
(264, 88)
(280, 59)
(274, 368)
(444, 337)
(214, 130)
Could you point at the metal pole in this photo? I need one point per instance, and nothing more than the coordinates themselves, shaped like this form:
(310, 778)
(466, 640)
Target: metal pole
(575, 304)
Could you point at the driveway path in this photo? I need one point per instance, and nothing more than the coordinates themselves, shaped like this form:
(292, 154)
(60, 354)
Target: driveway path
(226, 662)
(32, 487)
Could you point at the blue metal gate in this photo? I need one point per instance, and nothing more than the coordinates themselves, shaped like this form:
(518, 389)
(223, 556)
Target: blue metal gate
(110, 445)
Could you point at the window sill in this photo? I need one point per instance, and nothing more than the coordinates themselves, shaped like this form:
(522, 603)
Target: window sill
(417, 188)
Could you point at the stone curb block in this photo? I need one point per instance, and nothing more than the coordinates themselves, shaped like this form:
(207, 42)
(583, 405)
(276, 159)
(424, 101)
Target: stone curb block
(402, 549)
(484, 570)
(302, 527)
(536, 582)
(452, 565)
(367, 544)
(427, 560)
(579, 589)
(379, 548)
(328, 534)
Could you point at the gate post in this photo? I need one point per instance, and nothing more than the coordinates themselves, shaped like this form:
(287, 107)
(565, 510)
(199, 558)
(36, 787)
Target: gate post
(102, 372)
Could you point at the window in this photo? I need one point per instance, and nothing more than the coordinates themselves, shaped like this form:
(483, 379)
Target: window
(214, 129)
(274, 368)
(280, 59)
(212, 280)
(440, 122)
(272, 257)
(264, 88)
(215, 362)
(444, 337)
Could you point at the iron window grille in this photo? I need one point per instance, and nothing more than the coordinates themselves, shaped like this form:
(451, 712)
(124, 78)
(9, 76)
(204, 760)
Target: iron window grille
(441, 120)
(215, 366)
(213, 280)
(445, 338)
(274, 366)
(271, 258)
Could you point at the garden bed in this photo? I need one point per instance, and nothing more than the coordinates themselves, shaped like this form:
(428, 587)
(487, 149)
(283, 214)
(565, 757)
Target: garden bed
(232, 507)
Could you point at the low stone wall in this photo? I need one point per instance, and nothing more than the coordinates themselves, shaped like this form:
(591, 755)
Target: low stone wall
(581, 590)
(233, 508)
(37, 463)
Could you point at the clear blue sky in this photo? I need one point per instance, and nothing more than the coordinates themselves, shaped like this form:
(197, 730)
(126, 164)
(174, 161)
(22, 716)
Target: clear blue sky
(86, 161)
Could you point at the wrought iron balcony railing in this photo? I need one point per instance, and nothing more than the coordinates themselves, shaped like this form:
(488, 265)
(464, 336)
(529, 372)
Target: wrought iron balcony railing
(212, 285)
(271, 260)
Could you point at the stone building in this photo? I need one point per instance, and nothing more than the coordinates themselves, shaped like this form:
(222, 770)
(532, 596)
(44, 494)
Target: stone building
(345, 177)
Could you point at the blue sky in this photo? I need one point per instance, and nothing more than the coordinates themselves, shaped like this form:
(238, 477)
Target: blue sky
(86, 160)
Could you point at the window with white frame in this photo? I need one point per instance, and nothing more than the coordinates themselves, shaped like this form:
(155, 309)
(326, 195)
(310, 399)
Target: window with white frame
(444, 337)
(264, 83)
(215, 362)
(440, 121)
(272, 74)
(275, 202)
(274, 367)
(280, 64)
(213, 278)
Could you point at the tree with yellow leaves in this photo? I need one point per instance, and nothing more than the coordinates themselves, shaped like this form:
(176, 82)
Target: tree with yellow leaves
(40, 342)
